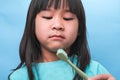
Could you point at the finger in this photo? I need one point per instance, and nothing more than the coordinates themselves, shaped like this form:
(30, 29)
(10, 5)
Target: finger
(103, 77)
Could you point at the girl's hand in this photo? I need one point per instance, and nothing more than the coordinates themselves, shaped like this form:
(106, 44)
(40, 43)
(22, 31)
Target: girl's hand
(102, 77)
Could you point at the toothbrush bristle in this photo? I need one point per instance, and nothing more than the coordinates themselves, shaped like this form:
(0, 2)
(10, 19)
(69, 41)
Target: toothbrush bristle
(62, 54)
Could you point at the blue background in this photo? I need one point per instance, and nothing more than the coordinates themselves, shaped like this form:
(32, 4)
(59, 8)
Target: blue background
(103, 32)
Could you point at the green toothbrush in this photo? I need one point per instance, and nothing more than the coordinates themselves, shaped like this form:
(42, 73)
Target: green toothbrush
(63, 56)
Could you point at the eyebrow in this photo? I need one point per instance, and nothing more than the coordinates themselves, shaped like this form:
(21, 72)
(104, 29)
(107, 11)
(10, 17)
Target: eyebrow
(67, 10)
(46, 9)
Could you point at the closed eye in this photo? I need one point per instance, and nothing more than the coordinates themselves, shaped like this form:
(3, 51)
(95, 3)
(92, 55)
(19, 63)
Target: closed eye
(68, 19)
(45, 17)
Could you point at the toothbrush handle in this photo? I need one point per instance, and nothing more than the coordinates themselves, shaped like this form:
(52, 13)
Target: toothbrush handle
(81, 73)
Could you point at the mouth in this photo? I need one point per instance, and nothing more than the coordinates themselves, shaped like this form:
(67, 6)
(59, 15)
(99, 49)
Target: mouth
(57, 37)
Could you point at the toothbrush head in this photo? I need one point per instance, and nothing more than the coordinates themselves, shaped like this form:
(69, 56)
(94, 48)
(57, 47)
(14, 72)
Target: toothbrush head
(62, 54)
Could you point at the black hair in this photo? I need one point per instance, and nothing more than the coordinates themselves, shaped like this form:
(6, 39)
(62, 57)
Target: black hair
(29, 49)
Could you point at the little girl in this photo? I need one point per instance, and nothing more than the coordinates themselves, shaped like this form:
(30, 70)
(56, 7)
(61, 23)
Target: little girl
(50, 25)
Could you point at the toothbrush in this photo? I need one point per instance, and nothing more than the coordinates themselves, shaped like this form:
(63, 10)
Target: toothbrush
(63, 56)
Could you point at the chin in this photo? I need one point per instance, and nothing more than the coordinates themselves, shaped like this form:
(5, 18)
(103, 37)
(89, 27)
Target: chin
(56, 48)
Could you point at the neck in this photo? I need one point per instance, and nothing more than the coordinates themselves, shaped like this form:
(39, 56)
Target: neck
(48, 56)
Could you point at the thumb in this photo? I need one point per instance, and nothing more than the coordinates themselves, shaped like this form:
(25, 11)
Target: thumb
(89, 79)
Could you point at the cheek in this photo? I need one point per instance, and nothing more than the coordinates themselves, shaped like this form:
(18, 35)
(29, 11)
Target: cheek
(73, 28)
(39, 30)
(72, 32)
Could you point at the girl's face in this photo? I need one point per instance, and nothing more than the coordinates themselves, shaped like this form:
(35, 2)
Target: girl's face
(56, 28)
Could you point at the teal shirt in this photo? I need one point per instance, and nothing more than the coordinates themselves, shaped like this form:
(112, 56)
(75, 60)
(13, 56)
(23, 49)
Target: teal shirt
(57, 70)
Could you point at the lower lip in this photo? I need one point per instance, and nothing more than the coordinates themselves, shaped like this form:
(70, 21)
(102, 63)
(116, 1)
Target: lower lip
(57, 38)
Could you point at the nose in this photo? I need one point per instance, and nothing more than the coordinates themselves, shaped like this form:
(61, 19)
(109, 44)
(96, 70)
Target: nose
(58, 25)
(58, 28)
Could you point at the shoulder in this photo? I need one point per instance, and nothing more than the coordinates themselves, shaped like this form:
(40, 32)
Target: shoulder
(19, 74)
(95, 68)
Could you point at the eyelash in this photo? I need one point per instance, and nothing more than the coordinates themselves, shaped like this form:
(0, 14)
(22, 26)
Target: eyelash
(47, 17)
(67, 19)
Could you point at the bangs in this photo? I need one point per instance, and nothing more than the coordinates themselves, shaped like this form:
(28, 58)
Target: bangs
(57, 4)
